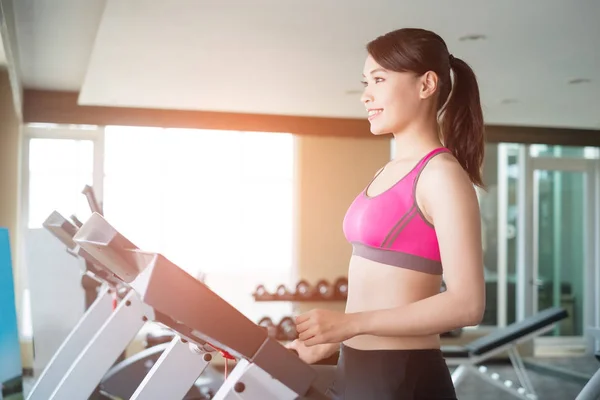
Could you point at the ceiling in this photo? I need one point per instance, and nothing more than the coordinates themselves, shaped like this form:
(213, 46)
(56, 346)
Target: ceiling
(306, 58)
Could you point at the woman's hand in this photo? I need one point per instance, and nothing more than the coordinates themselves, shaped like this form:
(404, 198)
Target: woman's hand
(325, 326)
(313, 354)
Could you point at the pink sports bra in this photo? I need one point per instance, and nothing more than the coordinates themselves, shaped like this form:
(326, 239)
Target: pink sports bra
(390, 228)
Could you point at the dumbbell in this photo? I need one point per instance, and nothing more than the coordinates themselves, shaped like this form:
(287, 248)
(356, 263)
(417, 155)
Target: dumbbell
(282, 292)
(287, 329)
(304, 290)
(324, 289)
(269, 325)
(261, 292)
(341, 288)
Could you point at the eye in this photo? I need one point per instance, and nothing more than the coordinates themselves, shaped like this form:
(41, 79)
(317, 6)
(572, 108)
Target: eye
(376, 79)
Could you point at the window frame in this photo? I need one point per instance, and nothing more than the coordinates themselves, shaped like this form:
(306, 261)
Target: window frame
(66, 132)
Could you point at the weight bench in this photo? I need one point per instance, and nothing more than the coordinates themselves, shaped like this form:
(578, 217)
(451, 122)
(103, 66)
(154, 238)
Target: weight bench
(591, 391)
(469, 358)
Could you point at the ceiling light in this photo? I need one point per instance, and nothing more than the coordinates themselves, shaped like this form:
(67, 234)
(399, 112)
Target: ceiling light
(509, 101)
(577, 81)
(472, 37)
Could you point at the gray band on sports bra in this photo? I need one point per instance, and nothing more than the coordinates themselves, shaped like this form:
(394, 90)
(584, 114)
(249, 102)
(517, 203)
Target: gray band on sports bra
(398, 259)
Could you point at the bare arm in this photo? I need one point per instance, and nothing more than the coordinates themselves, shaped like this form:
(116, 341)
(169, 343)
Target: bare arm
(449, 198)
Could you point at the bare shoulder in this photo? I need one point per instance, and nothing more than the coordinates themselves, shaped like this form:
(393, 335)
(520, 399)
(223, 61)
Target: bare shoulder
(444, 184)
(444, 171)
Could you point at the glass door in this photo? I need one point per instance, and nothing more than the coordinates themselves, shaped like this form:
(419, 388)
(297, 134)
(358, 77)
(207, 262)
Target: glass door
(564, 202)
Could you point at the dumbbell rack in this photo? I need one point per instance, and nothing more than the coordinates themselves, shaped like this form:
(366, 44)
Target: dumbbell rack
(323, 291)
(285, 330)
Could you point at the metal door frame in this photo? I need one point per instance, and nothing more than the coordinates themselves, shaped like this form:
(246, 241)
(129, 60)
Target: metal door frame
(527, 262)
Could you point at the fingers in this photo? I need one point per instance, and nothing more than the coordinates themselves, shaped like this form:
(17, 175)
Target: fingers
(308, 333)
(306, 320)
(304, 326)
(292, 345)
(302, 318)
(313, 341)
(307, 327)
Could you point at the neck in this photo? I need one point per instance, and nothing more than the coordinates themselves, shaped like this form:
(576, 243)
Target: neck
(415, 140)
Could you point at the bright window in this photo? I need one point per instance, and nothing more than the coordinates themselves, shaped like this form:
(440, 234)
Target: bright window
(217, 203)
(59, 169)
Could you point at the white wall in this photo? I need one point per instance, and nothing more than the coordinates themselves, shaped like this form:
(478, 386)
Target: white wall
(57, 298)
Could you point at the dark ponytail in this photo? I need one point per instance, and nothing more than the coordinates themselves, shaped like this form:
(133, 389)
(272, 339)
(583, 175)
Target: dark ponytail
(419, 51)
(462, 121)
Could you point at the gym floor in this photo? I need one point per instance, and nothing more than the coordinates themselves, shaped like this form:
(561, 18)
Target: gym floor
(549, 385)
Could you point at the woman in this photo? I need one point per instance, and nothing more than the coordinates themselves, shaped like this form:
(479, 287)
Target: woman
(416, 220)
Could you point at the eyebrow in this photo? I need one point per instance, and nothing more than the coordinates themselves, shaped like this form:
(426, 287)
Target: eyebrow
(376, 70)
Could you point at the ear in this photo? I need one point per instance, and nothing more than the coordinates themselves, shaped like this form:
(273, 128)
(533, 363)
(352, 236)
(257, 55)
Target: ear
(428, 84)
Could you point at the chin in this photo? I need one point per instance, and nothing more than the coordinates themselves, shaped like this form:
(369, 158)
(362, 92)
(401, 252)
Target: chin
(378, 131)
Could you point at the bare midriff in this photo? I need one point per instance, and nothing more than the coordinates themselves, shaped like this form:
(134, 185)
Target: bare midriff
(376, 286)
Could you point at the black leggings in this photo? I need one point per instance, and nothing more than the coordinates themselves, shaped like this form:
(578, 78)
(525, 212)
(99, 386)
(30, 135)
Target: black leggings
(392, 375)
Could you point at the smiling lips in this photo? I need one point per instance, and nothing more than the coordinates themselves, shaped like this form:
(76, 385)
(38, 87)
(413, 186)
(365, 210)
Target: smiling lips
(373, 112)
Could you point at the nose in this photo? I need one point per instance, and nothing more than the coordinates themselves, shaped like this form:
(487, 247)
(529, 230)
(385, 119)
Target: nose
(366, 97)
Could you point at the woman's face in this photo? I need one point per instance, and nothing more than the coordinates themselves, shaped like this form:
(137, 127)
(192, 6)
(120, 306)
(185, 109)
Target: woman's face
(391, 98)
